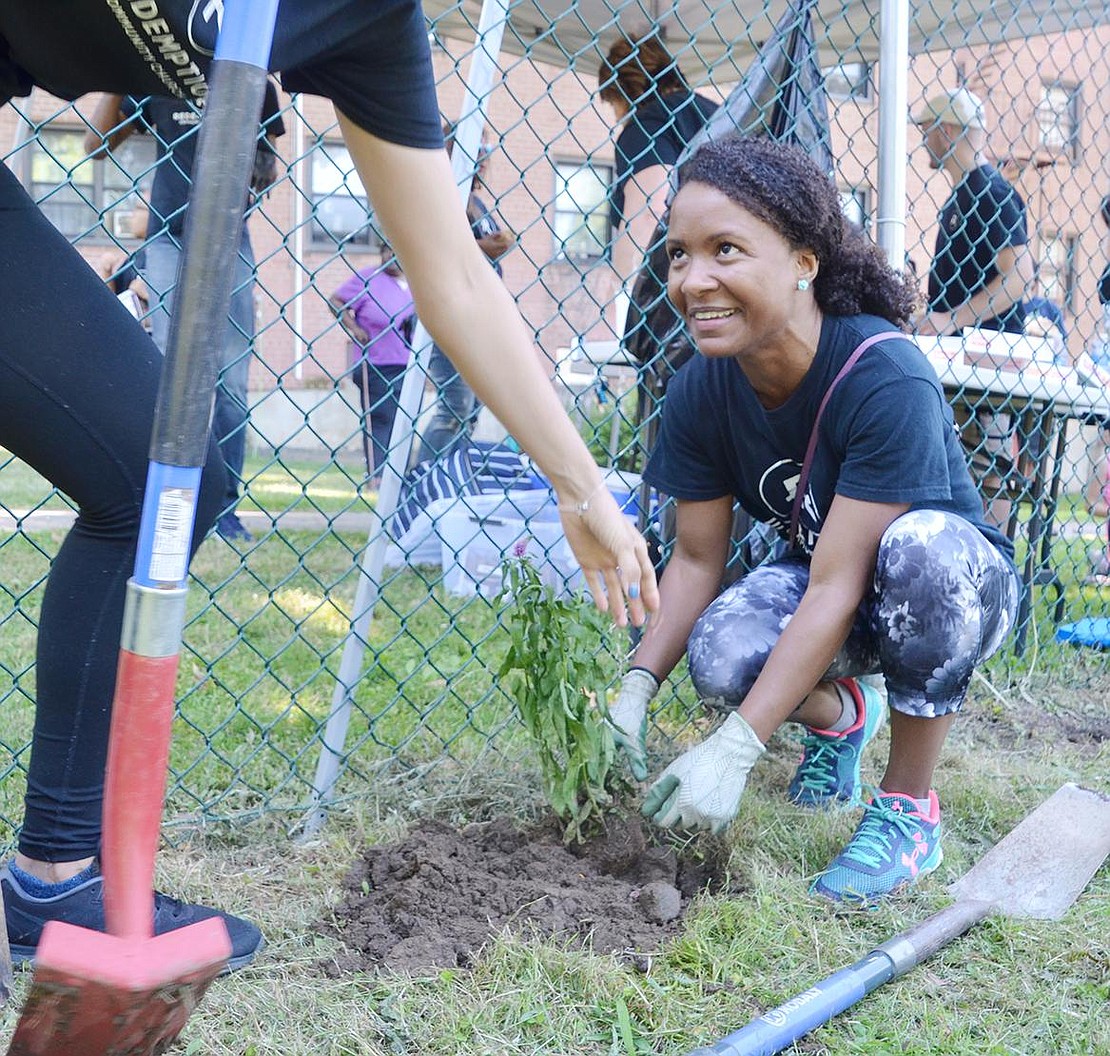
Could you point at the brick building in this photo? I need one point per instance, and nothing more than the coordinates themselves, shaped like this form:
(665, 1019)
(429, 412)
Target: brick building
(1046, 99)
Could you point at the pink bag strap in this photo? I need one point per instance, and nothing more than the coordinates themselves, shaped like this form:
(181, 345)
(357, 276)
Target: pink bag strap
(803, 478)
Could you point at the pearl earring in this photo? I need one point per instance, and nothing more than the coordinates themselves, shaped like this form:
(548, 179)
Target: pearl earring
(803, 285)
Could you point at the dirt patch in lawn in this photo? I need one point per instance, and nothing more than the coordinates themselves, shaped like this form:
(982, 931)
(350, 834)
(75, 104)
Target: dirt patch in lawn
(433, 899)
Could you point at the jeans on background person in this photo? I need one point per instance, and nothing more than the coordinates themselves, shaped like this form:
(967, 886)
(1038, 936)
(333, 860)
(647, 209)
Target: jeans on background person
(232, 414)
(456, 407)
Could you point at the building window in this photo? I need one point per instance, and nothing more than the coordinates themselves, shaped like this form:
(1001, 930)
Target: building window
(855, 203)
(1058, 118)
(581, 221)
(86, 200)
(1056, 269)
(340, 209)
(849, 80)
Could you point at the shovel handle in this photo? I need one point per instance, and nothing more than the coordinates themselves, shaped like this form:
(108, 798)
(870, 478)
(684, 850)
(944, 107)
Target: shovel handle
(143, 706)
(781, 1026)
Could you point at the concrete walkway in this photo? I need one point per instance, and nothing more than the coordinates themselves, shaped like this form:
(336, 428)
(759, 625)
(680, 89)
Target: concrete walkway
(255, 521)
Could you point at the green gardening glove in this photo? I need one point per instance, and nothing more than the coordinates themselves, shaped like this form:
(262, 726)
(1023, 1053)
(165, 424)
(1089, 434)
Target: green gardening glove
(628, 715)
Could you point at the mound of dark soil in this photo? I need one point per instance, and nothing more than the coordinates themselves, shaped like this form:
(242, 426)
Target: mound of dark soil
(434, 898)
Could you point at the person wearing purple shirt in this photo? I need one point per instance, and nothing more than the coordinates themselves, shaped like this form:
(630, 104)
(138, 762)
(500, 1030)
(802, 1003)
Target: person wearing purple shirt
(376, 309)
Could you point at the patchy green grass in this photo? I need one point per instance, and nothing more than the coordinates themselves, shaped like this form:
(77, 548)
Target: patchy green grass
(1008, 988)
(431, 734)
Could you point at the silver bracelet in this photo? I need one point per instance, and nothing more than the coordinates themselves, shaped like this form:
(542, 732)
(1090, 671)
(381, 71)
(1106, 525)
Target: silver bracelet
(583, 507)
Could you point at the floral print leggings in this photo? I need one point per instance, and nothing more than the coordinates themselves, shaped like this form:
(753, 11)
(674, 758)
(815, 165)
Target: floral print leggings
(943, 601)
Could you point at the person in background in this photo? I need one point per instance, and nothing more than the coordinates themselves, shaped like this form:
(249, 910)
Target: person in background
(174, 125)
(981, 268)
(77, 397)
(1096, 369)
(456, 408)
(375, 309)
(891, 568)
(658, 115)
(123, 271)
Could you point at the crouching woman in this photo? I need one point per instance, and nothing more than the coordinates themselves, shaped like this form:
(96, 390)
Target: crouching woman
(809, 407)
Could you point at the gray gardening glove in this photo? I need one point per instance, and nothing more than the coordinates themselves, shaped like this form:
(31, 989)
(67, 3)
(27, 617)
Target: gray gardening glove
(628, 714)
(701, 789)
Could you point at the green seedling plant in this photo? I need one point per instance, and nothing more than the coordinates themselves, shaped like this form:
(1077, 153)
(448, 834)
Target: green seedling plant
(553, 672)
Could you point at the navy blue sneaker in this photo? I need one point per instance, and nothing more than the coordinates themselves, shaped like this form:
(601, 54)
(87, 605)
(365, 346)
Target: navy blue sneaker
(232, 530)
(84, 906)
(829, 773)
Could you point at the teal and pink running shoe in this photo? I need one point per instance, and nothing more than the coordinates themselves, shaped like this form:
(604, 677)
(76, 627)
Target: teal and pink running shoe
(895, 845)
(828, 774)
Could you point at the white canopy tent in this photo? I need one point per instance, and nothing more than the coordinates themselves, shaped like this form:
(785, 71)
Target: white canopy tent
(717, 38)
(720, 31)
(710, 38)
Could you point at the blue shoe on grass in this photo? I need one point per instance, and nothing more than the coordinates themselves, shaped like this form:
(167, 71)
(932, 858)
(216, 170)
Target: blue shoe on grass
(232, 530)
(895, 845)
(828, 774)
(83, 906)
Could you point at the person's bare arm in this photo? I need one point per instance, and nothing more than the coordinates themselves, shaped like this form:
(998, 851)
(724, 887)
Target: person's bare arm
(347, 320)
(1007, 288)
(472, 317)
(645, 201)
(690, 582)
(496, 245)
(842, 569)
(110, 126)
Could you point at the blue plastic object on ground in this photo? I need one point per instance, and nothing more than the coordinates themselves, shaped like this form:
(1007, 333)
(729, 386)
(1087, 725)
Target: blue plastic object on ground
(1091, 631)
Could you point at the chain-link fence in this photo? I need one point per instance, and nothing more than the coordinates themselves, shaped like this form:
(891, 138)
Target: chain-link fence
(290, 624)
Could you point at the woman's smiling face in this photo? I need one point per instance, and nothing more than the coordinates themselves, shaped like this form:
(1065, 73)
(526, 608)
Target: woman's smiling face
(732, 276)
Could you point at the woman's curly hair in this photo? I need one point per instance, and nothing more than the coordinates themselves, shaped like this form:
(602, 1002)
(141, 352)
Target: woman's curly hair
(635, 67)
(782, 186)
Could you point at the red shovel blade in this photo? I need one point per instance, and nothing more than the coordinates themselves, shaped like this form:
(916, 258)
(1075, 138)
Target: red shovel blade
(98, 995)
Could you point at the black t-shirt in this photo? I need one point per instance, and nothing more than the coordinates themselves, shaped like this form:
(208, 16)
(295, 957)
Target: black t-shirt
(983, 215)
(656, 133)
(1104, 286)
(371, 58)
(174, 123)
(887, 435)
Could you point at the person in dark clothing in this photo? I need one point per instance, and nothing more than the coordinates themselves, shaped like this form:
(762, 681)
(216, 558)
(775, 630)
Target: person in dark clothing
(890, 569)
(77, 397)
(174, 125)
(658, 115)
(981, 270)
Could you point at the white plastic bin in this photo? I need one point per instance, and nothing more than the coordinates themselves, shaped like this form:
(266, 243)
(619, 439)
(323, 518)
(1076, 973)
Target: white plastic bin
(476, 541)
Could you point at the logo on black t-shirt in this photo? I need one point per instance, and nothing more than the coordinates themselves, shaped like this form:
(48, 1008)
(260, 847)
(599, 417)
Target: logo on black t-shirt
(777, 488)
(205, 19)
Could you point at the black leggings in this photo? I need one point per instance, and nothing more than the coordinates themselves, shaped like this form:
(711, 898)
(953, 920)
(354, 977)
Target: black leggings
(78, 381)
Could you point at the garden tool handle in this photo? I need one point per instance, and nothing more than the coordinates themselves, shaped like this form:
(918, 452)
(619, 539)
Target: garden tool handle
(154, 616)
(779, 1027)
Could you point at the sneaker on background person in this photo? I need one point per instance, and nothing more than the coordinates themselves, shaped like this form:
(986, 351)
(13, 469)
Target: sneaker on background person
(29, 903)
(829, 771)
(896, 843)
(231, 529)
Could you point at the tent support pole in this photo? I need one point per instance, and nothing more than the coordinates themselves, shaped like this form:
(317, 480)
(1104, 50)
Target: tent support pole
(894, 64)
(468, 136)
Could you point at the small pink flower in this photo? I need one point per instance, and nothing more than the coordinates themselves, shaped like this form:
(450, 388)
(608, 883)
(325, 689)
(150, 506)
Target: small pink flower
(520, 548)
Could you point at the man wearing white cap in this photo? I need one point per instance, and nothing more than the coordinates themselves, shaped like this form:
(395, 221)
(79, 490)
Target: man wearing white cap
(981, 265)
